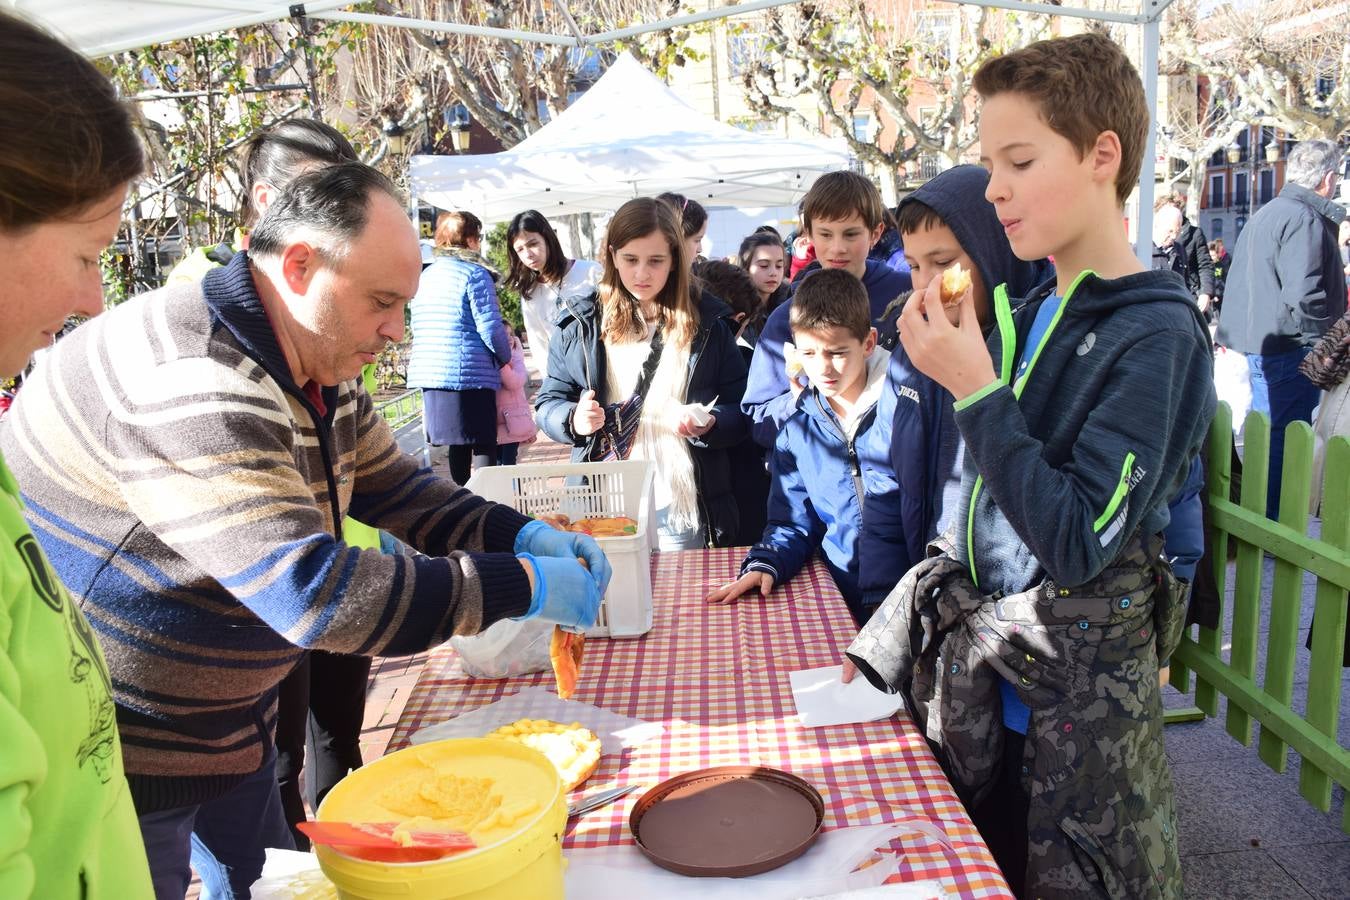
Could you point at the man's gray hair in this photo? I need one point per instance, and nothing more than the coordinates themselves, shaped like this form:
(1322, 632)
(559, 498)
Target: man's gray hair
(327, 206)
(1311, 161)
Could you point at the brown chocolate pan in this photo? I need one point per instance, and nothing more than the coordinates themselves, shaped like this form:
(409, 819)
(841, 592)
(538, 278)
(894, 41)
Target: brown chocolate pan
(727, 821)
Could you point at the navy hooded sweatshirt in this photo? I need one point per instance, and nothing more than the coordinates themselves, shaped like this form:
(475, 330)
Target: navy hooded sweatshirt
(767, 400)
(916, 496)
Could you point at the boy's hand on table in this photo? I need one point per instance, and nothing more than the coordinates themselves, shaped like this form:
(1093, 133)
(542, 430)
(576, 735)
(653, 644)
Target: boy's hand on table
(732, 591)
(954, 356)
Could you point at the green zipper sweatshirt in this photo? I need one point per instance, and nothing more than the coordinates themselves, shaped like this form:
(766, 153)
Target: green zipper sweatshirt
(67, 825)
(1064, 464)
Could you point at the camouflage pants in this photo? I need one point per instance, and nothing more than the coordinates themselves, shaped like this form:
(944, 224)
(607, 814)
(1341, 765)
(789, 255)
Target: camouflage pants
(1085, 660)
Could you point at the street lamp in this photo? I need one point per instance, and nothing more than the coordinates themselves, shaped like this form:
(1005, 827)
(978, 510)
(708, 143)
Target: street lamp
(457, 119)
(459, 138)
(393, 136)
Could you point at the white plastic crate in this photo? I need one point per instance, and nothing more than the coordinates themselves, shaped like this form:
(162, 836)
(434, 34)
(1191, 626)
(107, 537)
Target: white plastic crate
(578, 490)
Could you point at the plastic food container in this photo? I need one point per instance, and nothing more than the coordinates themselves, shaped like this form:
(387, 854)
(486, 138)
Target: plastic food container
(524, 861)
(579, 490)
(727, 821)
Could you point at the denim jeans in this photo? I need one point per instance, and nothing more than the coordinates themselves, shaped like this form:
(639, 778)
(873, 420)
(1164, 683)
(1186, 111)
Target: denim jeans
(224, 840)
(1282, 392)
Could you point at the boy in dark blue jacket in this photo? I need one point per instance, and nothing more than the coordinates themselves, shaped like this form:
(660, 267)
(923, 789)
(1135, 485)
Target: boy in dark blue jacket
(1080, 417)
(843, 216)
(825, 452)
(946, 222)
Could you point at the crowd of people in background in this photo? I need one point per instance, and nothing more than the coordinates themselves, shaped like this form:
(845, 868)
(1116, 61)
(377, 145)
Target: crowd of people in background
(1034, 433)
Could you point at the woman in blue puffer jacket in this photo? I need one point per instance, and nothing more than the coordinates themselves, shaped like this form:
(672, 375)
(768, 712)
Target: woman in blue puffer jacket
(459, 346)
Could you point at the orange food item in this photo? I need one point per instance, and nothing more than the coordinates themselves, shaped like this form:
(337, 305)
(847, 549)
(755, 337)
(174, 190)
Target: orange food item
(955, 282)
(557, 520)
(565, 652)
(604, 526)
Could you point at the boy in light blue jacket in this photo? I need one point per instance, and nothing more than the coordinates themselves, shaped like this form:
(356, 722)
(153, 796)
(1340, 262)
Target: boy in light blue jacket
(826, 457)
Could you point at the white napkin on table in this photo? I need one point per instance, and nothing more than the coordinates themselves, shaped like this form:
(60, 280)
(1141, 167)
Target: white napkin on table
(822, 699)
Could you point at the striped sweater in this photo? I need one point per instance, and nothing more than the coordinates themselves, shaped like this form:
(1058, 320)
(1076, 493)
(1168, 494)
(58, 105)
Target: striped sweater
(189, 494)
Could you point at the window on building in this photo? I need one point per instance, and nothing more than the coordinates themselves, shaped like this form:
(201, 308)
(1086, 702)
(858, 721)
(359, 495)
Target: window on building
(1267, 185)
(1215, 228)
(862, 128)
(929, 166)
(935, 27)
(1216, 191)
(744, 51)
(1325, 85)
(1239, 188)
(587, 65)
(1267, 136)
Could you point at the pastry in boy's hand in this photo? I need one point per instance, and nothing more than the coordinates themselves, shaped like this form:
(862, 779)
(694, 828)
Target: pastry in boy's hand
(955, 282)
(792, 361)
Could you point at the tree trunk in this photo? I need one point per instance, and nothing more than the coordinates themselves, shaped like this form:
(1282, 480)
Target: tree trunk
(588, 229)
(1195, 188)
(574, 234)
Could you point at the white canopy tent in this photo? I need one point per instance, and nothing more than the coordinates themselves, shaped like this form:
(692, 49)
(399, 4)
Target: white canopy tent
(628, 136)
(100, 27)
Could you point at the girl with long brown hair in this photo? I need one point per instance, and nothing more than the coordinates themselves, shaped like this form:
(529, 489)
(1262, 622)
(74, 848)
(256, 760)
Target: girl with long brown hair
(544, 277)
(645, 369)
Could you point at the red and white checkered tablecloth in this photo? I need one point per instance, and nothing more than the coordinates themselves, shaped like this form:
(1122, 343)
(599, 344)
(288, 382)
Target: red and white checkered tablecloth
(717, 678)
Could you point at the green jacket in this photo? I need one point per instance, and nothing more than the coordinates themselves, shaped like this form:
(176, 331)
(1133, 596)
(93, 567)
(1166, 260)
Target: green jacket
(67, 825)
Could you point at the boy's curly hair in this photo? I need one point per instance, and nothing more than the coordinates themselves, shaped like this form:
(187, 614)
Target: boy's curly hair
(1084, 85)
(729, 283)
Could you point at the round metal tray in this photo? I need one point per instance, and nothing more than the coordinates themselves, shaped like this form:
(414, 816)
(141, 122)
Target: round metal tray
(727, 821)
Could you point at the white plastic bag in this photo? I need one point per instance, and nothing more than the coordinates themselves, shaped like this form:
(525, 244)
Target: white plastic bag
(506, 648)
(1232, 384)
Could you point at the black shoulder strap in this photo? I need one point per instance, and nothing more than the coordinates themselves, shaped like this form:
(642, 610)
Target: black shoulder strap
(649, 367)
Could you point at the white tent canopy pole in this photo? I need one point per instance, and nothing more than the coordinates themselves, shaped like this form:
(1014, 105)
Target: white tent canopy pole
(1143, 234)
(506, 34)
(172, 20)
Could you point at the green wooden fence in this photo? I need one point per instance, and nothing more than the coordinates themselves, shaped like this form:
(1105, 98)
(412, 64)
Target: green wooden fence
(1313, 734)
(402, 409)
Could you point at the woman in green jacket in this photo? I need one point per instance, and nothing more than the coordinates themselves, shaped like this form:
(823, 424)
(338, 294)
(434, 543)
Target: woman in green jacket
(67, 153)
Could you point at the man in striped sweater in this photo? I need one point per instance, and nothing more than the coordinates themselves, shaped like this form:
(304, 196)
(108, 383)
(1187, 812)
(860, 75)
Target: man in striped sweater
(187, 460)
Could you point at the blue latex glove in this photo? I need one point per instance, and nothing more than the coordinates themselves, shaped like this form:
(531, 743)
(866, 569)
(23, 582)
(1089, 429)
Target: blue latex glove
(541, 539)
(564, 592)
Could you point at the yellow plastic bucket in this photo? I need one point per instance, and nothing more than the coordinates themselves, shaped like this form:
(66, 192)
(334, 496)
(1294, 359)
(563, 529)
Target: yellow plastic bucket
(525, 863)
